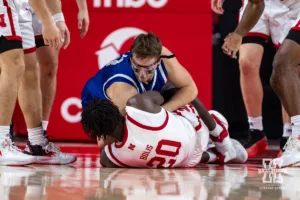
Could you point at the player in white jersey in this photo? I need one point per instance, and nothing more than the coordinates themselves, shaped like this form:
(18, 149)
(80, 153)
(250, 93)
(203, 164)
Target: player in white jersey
(285, 78)
(149, 136)
(271, 24)
(14, 17)
(48, 57)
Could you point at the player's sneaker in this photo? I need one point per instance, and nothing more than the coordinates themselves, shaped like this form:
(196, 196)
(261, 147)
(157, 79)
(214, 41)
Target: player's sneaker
(49, 154)
(12, 155)
(241, 153)
(283, 141)
(223, 142)
(291, 155)
(255, 143)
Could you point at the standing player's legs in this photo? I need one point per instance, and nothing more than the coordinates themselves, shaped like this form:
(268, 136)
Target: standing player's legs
(285, 81)
(251, 52)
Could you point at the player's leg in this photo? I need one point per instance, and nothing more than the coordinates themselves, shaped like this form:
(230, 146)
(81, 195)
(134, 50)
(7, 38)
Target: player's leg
(251, 53)
(285, 81)
(48, 62)
(12, 69)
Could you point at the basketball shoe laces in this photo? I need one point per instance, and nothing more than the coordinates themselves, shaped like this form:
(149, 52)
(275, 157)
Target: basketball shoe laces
(50, 147)
(11, 146)
(291, 144)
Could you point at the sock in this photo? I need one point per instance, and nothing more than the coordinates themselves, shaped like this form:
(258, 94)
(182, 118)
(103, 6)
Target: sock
(255, 123)
(287, 130)
(45, 125)
(216, 132)
(36, 136)
(212, 157)
(295, 125)
(4, 132)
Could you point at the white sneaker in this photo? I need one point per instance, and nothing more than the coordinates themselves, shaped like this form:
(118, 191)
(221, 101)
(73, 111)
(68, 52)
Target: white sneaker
(223, 142)
(241, 153)
(49, 154)
(291, 155)
(12, 155)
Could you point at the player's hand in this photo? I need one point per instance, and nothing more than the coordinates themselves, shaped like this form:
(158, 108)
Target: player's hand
(232, 44)
(64, 34)
(83, 22)
(189, 112)
(216, 6)
(51, 35)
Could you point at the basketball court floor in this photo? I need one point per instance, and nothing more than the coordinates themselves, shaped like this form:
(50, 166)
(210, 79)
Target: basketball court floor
(85, 179)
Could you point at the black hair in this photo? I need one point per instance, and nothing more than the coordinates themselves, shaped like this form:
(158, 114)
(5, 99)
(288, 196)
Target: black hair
(100, 117)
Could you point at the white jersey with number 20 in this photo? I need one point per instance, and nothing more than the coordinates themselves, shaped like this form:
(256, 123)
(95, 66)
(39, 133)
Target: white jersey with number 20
(163, 139)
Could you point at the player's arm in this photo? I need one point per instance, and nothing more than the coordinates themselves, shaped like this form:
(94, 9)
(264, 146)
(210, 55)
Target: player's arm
(55, 8)
(252, 13)
(169, 91)
(119, 93)
(50, 32)
(104, 160)
(83, 17)
(149, 101)
(182, 80)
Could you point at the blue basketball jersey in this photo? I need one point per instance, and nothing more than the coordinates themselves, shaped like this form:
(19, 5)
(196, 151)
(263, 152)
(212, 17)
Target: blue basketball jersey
(120, 70)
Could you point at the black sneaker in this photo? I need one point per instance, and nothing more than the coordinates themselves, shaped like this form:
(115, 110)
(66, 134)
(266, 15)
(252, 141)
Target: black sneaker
(49, 154)
(255, 143)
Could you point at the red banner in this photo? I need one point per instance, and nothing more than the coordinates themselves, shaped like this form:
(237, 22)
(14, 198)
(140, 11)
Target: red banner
(184, 28)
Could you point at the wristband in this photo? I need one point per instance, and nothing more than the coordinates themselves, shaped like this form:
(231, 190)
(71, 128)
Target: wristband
(59, 17)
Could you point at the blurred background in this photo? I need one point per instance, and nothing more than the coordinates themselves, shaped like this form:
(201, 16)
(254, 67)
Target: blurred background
(188, 28)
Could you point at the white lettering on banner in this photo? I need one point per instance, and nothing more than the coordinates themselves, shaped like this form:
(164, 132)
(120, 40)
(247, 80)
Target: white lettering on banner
(112, 44)
(130, 3)
(64, 110)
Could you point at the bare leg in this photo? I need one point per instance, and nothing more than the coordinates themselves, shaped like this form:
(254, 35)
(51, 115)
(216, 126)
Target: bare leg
(48, 62)
(30, 94)
(12, 69)
(250, 61)
(285, 77)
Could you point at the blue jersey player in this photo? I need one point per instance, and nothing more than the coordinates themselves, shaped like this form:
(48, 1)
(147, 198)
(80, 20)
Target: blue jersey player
(146, 67)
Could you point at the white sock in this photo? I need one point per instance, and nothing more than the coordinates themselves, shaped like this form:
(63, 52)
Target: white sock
(217, 131)
(36, 136)
(45, 125)
(295, 125)
(4, 131)
(287, 130)
(255, 123)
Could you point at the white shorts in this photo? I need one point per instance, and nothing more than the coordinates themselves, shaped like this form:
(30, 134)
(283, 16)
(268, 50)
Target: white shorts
(273, 21)
(18, 23)
(10, 12)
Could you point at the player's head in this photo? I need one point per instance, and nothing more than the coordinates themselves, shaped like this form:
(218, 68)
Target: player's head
(146, 52)
(100, 117)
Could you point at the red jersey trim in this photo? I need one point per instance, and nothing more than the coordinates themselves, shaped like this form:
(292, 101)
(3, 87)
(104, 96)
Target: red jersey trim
(38, 37)
(10, 18)
(13, 38)
(116, 159)
(30, 50)
(151, 128)
(256, 34)
(124, 138)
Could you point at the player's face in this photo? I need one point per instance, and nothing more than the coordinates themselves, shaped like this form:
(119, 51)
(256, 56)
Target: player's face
(144, 69)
